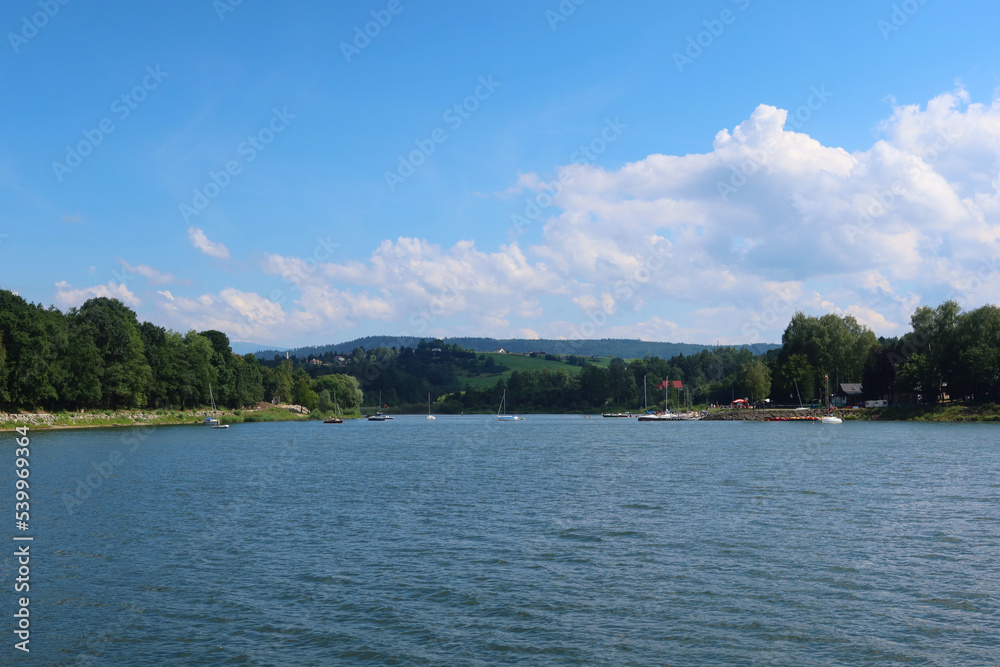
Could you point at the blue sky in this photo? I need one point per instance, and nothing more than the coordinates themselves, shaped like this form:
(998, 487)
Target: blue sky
(701, 212)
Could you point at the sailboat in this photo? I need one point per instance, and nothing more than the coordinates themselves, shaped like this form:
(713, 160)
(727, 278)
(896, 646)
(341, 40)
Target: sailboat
(214, 421)
(429, 415)
(338, 418)
(666, 415)
(801, 407)
(503, 408)
(828, 418)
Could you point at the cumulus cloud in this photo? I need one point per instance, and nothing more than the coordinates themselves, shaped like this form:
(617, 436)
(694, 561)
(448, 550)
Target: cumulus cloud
(68, 296)
(719, 246)
(210, 248)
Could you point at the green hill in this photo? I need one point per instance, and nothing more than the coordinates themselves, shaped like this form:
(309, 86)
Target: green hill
(517, 362)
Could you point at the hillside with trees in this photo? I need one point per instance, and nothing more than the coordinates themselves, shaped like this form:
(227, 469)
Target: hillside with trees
(99, 356)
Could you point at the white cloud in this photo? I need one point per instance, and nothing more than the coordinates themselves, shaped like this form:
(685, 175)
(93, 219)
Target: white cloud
(720, 246)
(154, 276)
(211, 248)
(69, 296)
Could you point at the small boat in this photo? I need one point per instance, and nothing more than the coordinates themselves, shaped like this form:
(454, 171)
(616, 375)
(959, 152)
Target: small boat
(503, 408)
(338, 418)
(429, 415)
(213, 421)
(379, 416)
(616, 415)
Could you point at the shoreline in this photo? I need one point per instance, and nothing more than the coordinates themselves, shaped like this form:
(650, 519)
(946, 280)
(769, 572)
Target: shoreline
(956, 414)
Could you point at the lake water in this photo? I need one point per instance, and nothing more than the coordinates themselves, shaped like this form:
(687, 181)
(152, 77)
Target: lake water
(557, 540)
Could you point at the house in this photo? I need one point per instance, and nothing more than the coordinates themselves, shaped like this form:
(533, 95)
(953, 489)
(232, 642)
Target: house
(850, 393)
(499, 350)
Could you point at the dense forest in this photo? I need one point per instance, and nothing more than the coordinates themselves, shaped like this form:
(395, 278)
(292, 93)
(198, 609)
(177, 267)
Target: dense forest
(99, 356)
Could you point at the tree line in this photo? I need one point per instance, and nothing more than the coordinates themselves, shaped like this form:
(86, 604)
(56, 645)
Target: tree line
(99, 356)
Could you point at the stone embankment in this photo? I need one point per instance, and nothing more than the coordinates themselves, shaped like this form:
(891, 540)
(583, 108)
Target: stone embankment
(759, 415)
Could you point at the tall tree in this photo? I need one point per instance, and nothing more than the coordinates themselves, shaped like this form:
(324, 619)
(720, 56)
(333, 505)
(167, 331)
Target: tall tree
(126, 373)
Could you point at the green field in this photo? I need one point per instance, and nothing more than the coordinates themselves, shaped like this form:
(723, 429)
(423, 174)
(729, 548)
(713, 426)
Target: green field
(516, 362)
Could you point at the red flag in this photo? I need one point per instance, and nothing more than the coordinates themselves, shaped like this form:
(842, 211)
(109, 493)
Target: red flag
(677, 384)
(662, 385)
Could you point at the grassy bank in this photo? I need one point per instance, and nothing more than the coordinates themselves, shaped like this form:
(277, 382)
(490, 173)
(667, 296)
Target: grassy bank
(987, 412)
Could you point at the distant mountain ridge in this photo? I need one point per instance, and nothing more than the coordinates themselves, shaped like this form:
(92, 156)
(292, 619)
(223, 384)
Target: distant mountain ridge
(243, 347)
(604, 347)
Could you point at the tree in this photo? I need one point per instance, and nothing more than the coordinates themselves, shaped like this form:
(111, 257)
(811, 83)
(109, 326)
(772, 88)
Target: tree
(224, 362)
(249, 387)
(126, 373)
(934, 339)
(878, 375)
(325, 402)
(27, 353)
(344, 389)
(755, 379)
(594, 384)
(302, 393)
(976, 374)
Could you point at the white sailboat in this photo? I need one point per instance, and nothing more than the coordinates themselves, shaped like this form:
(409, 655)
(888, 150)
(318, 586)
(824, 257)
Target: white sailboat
(214, 420)
(429, 415)
(828, 418)
(503, 408)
